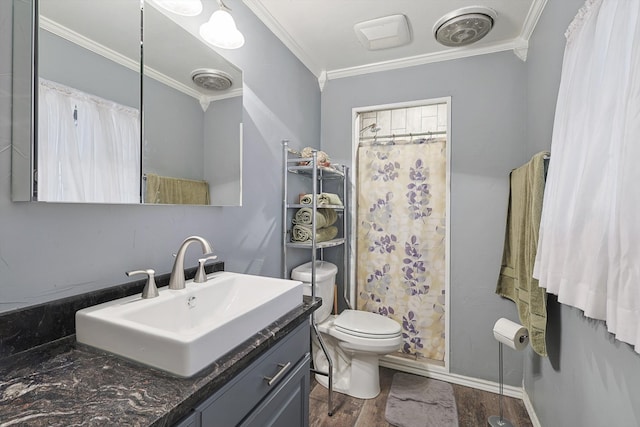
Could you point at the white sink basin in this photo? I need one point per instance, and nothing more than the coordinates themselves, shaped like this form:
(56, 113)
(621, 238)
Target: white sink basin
(183, 331)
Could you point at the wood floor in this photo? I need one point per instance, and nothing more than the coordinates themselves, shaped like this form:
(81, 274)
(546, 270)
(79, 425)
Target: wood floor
(474, 407)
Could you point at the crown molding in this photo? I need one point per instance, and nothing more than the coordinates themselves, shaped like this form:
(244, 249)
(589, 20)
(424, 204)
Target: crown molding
(521, 48)
(267, 19)
(99, 49)
(77, 38)
(447, 55)
(532, 18)
(322, 80)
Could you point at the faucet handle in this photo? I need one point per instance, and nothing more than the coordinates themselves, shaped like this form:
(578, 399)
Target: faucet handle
(201, 275)
(150, 289)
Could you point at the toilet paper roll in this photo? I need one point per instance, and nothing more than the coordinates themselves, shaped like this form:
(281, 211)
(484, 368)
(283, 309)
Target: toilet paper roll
(510, 333)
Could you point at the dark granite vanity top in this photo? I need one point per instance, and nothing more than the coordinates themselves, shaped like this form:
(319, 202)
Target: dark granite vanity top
(63, 383)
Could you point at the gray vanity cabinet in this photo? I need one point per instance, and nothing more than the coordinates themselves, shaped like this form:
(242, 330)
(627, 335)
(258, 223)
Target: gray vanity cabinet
(272, 391)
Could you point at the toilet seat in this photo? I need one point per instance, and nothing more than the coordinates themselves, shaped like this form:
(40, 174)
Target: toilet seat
(366, 325)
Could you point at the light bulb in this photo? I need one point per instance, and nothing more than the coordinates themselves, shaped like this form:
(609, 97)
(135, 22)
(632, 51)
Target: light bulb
(221, 31)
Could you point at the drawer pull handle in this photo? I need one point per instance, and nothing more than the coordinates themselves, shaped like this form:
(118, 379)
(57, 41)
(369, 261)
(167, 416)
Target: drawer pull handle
(273, 379)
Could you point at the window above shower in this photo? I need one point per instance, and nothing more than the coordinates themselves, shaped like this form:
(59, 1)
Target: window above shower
(424, 121)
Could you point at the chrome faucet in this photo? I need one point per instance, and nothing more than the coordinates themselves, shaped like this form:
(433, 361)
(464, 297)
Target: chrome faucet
(176, 281)
(150, 289)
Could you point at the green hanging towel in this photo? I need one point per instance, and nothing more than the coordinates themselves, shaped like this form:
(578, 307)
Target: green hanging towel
(516, 280)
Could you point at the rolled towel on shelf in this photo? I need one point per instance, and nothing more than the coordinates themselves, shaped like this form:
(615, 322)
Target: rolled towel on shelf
(303, 233)
(324, 217)
(324, 199)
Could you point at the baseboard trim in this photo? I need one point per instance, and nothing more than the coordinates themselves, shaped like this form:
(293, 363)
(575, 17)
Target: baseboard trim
(530, 409)
(440, 373)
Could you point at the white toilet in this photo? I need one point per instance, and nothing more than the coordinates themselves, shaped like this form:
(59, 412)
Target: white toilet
(354, 339)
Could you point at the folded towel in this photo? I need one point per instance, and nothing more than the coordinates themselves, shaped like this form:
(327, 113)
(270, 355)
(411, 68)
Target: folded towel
(323, 199)
(324, 217)
(303, 233)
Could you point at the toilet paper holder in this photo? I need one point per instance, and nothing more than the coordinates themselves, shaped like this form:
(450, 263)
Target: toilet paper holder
(517, 337)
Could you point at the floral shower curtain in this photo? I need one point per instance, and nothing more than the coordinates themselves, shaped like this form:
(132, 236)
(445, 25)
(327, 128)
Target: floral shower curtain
(401, 207)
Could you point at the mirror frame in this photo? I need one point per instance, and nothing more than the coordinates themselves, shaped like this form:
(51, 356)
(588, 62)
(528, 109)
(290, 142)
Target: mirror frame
(24, 111)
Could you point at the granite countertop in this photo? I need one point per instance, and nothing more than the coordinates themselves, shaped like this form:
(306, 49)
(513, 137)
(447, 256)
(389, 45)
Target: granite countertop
(64, 383)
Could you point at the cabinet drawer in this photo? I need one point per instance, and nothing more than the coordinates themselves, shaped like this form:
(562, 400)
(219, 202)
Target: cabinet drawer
(288, 404)
(232, 403)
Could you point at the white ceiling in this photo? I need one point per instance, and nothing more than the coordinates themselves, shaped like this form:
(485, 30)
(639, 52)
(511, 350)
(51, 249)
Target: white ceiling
(320, 32)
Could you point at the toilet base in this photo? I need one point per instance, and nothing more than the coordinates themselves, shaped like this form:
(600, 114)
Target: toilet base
(363, 381)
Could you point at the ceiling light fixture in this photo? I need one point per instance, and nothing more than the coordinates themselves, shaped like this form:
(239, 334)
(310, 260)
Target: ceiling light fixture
(221, 30)
(181, 7)
(464, 26)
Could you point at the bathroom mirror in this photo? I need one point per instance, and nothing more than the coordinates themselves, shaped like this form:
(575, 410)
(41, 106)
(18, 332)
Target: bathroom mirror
(83, 82)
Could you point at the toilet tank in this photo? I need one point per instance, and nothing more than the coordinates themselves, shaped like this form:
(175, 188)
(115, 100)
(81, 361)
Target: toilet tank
(325, 279)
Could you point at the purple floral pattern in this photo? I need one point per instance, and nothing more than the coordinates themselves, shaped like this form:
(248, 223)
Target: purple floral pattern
(414, 269)
(418, 195)
(401, 240)
(384, 244)
(387, 171)
(410, 334)
(379, 213)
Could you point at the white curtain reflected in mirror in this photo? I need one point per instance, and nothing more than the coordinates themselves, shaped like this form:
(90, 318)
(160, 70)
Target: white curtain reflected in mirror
(88, 147)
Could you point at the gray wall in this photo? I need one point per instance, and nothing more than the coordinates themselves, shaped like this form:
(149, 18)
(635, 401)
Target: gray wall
(487, 141)
(173, 132)
(223, 150)
(48, 251)
(589, 379)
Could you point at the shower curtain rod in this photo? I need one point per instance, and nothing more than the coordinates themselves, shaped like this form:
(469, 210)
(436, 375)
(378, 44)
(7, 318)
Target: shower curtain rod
(404, 135)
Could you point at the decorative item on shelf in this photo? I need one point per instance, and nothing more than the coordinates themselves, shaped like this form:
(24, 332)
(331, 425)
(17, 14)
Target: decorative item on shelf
(323, 158)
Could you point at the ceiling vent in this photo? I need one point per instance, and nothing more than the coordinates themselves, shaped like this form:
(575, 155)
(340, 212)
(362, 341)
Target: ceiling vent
(383, 33)
(464, 26)
(211, 79)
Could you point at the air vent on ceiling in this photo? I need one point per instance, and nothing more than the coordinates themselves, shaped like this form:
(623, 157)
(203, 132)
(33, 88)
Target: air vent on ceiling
(383, 33)
(211, 79)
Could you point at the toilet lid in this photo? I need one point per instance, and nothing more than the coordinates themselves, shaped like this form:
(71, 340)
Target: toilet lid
(365, 324)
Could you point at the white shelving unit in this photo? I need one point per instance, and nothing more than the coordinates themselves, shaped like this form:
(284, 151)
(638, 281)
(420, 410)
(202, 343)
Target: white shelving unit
(294, 163)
